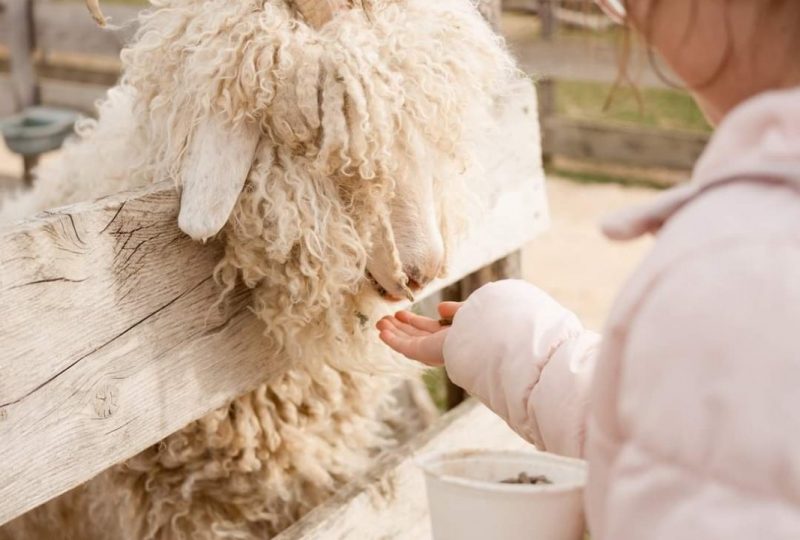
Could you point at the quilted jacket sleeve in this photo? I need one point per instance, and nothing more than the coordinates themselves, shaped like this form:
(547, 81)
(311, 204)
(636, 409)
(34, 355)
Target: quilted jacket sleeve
(528, 359)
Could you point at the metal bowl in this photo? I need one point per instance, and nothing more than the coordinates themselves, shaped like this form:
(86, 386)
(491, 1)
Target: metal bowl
(37, 130)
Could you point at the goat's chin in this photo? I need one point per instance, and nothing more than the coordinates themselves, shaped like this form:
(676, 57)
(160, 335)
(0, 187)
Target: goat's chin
(383, 269)
(404, 266)
(387, 289)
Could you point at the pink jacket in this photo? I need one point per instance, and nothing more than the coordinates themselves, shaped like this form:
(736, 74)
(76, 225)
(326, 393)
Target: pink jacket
(688, 411)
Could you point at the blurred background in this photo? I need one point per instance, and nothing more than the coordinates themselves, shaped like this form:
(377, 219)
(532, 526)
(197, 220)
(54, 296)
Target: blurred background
(603, 150)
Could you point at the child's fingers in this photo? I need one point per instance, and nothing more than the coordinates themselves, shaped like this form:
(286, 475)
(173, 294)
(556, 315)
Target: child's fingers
(402, 344)
(448, 309)
(415, 348)
(421, 323)
(383, 324)
(427, 350)
(388, 324)
(392, 322)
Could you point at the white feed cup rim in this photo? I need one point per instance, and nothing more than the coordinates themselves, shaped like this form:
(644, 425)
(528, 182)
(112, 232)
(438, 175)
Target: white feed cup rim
(429, 462)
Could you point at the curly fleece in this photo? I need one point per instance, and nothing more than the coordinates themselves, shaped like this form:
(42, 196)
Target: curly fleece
(345, 114)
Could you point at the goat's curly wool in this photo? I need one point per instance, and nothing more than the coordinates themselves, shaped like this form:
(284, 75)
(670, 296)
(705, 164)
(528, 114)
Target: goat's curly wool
(381, 95)
(347, 113)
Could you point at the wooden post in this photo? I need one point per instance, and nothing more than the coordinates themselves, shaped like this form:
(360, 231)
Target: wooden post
(506, 268)
(454, 394)
(28, 164)
(545, 88)
(547, 18)
(21, 44)
(546, 93)
(24, 84)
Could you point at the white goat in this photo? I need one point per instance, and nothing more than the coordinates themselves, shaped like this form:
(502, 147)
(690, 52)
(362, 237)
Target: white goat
(321, 153)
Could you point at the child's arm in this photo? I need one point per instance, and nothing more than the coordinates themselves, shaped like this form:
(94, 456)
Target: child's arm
(518, 351)
(527, 358)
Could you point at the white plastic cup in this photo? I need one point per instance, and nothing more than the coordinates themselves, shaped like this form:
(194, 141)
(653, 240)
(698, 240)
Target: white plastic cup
(467, 500)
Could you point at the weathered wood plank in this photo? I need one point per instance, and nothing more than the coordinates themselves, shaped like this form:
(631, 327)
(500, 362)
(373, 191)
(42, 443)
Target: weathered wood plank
(390, 502)
(22, 41)
(65, 66)
(67, 26)
(622, 144)
(108, 338)
(72, 95)
(530, 6)
(548, 19)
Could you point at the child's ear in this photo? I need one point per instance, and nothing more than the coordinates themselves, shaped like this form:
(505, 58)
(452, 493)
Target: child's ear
(215, 168)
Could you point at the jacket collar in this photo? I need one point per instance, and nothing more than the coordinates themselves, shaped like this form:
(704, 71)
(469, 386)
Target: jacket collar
(759, 139)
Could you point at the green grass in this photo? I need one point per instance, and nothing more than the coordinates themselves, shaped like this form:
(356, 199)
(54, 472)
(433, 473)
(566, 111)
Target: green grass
(659, 108)
(612, 33)
(436, 382)
(584, 177)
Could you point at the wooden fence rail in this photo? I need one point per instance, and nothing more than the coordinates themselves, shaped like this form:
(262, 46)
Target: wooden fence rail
(551, 60)
(108, 337)
(609, 143)
(389, 502)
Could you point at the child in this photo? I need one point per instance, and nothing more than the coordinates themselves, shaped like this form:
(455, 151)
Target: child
(688, 411)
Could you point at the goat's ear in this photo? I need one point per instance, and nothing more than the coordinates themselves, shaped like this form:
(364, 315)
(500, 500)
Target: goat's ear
(215, 169)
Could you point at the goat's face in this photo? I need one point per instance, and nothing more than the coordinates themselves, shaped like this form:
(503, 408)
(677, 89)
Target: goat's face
(309, 108)
(411, 254)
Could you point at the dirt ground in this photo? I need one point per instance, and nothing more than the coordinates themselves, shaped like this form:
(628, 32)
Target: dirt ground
(573, 261)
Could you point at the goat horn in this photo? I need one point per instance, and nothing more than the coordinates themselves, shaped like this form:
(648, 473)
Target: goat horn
(318, 12)
(94, 9)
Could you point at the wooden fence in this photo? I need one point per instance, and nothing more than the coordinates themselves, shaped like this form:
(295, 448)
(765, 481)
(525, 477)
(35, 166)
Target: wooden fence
(77, 80)
(390, 502)
(552, 60)
(108, 340)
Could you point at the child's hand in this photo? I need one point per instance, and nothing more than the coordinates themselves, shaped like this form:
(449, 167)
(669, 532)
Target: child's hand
(416, 337)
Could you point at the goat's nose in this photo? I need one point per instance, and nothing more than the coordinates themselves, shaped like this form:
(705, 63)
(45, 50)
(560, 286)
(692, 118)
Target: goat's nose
(418, 277)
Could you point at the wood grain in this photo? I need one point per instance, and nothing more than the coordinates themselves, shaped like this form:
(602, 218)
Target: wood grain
(108, 333)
